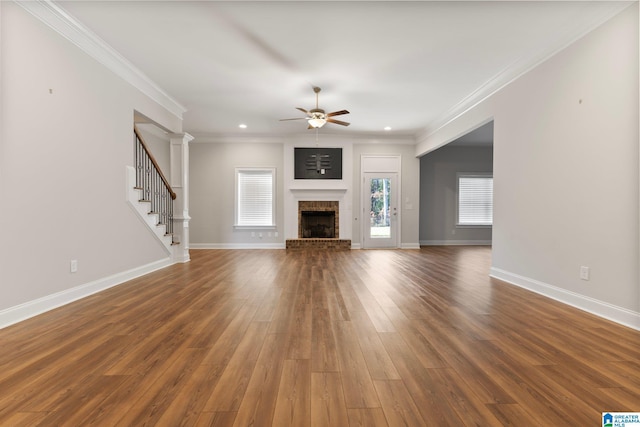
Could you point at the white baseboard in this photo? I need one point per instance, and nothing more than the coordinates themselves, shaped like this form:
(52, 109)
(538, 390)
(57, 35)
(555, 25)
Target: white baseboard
(410, 246)
(357, 246)
(272, 246)
(455, 242)
(237, 246)
(603, 309)
(30, 309)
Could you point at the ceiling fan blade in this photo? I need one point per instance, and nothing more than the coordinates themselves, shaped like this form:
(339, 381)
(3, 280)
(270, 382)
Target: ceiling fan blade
(338, 122)
(316, 116)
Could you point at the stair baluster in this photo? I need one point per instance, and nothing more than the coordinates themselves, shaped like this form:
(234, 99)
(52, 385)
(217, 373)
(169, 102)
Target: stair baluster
(154, 185)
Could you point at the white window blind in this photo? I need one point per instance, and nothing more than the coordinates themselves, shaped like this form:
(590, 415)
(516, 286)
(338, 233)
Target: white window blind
(475, 200)
(255, 197)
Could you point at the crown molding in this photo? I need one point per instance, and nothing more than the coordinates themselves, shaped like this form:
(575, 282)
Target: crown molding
(222, 138)
(517, 69)
(353, 138)
(73, 30)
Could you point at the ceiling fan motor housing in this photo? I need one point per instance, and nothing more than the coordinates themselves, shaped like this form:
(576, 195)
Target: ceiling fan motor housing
(317, 113)
(316, 117)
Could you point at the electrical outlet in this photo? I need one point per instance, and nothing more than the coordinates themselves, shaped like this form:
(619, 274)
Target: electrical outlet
(74, 265)
(253, 234)
(275, 234)
(584, 273)
(260, 235)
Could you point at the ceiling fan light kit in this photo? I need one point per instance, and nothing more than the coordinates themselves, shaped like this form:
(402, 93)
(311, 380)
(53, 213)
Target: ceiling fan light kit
(316, 117)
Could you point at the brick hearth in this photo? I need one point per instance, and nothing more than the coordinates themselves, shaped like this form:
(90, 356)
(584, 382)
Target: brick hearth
(327, 244)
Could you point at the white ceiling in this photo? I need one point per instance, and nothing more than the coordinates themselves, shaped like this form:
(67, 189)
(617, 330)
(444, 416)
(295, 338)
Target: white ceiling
(408, 65)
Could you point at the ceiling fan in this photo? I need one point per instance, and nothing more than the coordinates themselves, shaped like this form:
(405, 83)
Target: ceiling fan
(316, 117)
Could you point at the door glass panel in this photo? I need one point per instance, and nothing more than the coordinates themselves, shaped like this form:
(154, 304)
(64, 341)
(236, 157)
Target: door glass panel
(380, 214)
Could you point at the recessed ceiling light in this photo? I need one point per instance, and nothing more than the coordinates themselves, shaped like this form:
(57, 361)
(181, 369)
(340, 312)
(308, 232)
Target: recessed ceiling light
(387, 128)
(242, 126)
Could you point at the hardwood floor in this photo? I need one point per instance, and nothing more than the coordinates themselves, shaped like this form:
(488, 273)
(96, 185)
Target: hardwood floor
(356, 338)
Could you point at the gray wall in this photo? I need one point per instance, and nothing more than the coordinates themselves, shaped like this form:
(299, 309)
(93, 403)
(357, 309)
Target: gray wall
(212, 196)
(66, 139)
(565, 172)
(212, 193)
(158, 143)
(438, 184)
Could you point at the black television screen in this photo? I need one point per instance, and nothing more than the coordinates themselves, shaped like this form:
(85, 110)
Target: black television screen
(318, 163)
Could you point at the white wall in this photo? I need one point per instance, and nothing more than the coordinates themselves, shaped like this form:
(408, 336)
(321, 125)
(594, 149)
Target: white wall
(566, 167)
(67, 136)
(438, 191)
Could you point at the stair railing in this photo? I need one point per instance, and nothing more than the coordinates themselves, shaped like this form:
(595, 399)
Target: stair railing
(154, 185)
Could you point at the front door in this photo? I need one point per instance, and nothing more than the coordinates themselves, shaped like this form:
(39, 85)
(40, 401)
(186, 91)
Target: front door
(381, 214)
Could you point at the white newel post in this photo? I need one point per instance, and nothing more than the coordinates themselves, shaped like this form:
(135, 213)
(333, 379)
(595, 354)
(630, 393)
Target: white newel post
(180, 184)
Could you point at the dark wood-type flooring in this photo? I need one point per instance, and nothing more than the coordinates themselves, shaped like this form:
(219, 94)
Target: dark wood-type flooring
(312, 338)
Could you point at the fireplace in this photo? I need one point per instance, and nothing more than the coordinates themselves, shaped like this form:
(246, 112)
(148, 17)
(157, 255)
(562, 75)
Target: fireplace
(318, 227)
(318, 224)
(318, 219)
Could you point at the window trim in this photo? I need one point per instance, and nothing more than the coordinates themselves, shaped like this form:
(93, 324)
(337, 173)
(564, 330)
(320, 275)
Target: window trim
(457, 200)
(238, 171)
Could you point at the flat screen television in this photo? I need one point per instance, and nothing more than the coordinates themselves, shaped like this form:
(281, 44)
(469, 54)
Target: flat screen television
(318, 163)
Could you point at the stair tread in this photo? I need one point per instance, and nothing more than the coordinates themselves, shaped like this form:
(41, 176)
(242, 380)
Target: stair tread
(159, 223)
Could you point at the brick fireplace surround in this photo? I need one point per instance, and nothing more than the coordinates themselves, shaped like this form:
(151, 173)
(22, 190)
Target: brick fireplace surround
(318, 243)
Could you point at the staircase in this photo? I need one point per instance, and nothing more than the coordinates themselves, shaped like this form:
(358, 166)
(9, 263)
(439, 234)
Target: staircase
(150, 195)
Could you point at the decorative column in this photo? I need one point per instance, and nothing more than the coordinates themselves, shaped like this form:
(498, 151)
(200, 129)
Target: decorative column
(180, 184)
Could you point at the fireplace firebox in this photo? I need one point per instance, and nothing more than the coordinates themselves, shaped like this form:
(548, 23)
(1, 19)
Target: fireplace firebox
(318, 219)
(318, 224)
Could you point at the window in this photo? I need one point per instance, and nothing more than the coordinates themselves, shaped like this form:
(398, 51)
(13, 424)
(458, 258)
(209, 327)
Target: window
(255, 197)
(475, 199)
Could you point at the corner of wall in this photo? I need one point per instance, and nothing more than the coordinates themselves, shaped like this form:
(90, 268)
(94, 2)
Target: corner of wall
(38, 306)
(608, 311)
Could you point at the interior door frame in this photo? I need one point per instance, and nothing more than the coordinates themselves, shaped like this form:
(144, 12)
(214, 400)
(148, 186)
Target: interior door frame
(383, 164)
